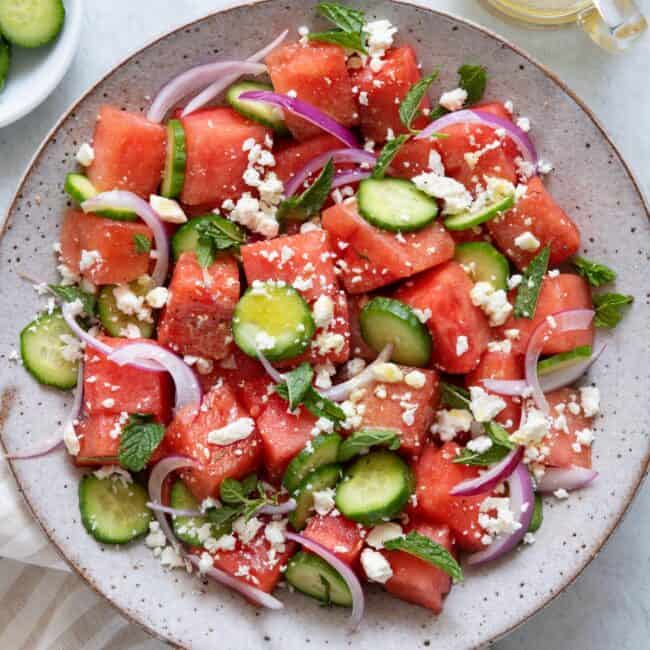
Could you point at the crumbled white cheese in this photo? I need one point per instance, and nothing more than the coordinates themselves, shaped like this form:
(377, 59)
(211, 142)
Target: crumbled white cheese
(225, 543)
(585, 437)
(590, 400)
(376, 566)
(504, 346)
(387, 372)
(494, 302)
(167, 209)
(89, 259)
(70, 438)
(524, 124)
(527, 241)
(544, 167)
(561, 493)
(480, 444)
(415, 379)
(462, 345)
(323, 311)
(380, 38)
(455, 195)
(533, 430)
(232, 432)
(130, 303)
(71, 350)
(453, 100)
(328, 342)
(206, 562)
(434, 163)
(484, 406)
(324, 373)
(157, 298)
(246, 530)
(324, 500)
(504, 523)
(514, 281)
(171, 559)
(156, 538)
(451, 422)
(131, 331)
(382, 533)
(85, 155)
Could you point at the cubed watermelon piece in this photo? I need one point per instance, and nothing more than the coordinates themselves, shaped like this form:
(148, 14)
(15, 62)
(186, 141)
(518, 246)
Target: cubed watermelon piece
(500, 365)
(110, 389)
(358, 347)
(402, 408)
(466, 138)
(564, 291)
(444, 292)
(216, 160)
(435, 475)
(196, 319)
(291, 156)
(129, 152)
(385, 90)
(370, 257)
(318, 74)
(412, 158)
(562, 440)
(339, 535)
(112, 244)
(187, 435)
(283, 434)
(539, 214)
(415, 580)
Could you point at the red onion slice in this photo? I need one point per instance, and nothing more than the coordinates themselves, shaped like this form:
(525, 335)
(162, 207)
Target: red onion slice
(341, 391)
(487, 481)
(194, 79)
(506, 386)
(522, 504)
(348, 178)
(209, 93)
(188, 389)
(560, 322)
(271, 371)
(281, 509)
(248, 591)
(132, 202)
(519, 137)
(358, 156)
(306, 111)
(174, 512)
(571, 478)
(348, 575)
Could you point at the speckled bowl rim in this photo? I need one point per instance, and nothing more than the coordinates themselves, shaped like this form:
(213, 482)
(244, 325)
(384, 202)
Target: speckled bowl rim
(7, 397)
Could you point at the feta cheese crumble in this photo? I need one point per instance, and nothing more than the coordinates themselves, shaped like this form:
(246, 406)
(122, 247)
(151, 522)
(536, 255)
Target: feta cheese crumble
(494, 302)
(382, 533)
(376, 566)
(451, 422)
(590, 400)
(527, 241)
(453, 100)
(85, 155)
(232, 432)
(462, 345)
(484, 406)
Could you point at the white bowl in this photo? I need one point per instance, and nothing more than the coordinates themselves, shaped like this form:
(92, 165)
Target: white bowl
(35, 73)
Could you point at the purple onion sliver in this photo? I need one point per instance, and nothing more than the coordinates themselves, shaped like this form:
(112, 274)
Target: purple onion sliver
(571, 478)
(348, 178)
(487, 481)
(505, 386)
(174, 512)
(281, 509)
(306, 111)
(272, 372)
(565, 376)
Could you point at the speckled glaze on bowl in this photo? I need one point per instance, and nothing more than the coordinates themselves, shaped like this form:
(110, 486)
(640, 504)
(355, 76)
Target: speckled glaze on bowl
(591, 182)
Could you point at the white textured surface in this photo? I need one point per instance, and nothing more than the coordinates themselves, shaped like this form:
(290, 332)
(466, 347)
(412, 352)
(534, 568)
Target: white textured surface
(609, 606)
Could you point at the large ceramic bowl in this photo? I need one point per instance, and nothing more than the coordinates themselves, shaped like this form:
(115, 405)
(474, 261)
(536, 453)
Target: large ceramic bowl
(593, 184)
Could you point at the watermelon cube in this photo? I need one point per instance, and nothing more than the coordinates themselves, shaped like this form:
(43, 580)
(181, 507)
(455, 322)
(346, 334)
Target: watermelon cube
(129, 152)
(413, 158)
(291, 156)
(216, 160)
(339, 535)
(103, 250)
(317, 74)
(196, 319)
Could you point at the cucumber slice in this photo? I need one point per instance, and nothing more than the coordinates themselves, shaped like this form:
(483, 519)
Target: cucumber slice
(187, 528)
(265, 114)
(186, 238)
(113, 320)
(375, 488)
(5, 61)
(42, 351)
(324, 477)
(563, 360)
(312, 576)
(395, 204)
(484, 263)
(113, 512)
(322, 450)
(31, 23)
(80, 189)
(273, 318)
(386, 320)
(469, 219)
(174, 172)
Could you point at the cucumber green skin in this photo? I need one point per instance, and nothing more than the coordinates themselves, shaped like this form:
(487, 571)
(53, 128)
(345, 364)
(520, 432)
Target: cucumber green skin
(306, 571)
(98, 501)
(538, 515)
(467, 220)
(490, 265)
(324, 477)
(113, 320)
(43, 334)
(563, 359)
(298, 343)
(257, 111)
(375, 487)
(376, 208)
(174, 173)
(80, 189)
(186, 238)
(5, 61)
(324, 450)
(33, 23)
(185, 528)
(386, 320)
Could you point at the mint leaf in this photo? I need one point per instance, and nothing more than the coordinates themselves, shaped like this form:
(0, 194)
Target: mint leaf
(388, 152)
(250, 484)
(70, 293)
(223, 515)
(309, 203)
(298, 382)
(454, 397)
(142, 243)
(215, 235)
(232, 492)
(426, 549)
(493, 455)
(140, 438)
(360, 442)
(349, 40)
(410, 106)
(596, 274)
(315, 403)
(498, 435)
(472, 79)
(538, 515)
(345, 18)
(531, 284)
(610, 308)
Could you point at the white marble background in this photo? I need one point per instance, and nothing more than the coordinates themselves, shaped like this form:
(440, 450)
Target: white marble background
(609, 605)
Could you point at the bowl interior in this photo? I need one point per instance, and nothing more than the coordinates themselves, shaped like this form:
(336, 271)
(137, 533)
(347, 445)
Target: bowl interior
(591, 182)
